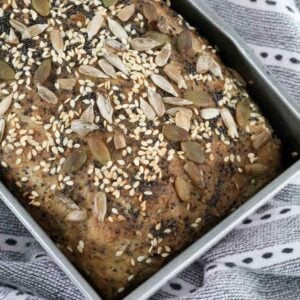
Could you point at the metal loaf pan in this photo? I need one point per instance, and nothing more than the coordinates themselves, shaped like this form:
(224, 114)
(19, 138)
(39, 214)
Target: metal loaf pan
(282, 113)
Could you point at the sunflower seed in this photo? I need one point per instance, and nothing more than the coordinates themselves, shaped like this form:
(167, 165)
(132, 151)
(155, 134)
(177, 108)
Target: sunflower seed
(172, 111)
(147, 109)
(74, 162)
(107, 68)
(156, 102)
(126, 13)
(6, 71)
(174, 133)
(2, 129)
(57, 41)
(260, 139)
(194, 173)
(20, 27)
(229, 123)
(174, 74)
(99, 149)
(206, 63)
(116, 62)
(46, 94)
(119, 141)
(67, 201)
(177, 101)
(12, 38)
(88, 116)
(183, 120)
(117, 30)
(164, 84)
(199, 98)
(185, 42)
(193, 151)
(74, 19)
(143, 44)
(100, 206)
(83, 128)
(43, 72)
(256, 169)
(160, 37)
(5, 104)
(66, 83)
(91, 71)
(243, 112)
(163, 56)
(94, 25)
(115, 44)
(209, 113)
(238, 77)
(76, 215)
(108, 3)
(36, 29)
(183, 189)
(105, 108)
(150, 12)
(42, 7)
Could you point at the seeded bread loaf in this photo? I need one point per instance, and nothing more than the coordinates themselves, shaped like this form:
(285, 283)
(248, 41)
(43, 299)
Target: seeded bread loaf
(123, 133)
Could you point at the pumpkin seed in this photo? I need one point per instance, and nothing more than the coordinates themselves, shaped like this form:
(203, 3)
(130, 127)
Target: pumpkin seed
(67, 201)
(206, 63)
(172, 111)
(76, 215)
(117, 30)
(209, 113)
(183, 189)
(57, 41)
(174, 133)
(185, 42)
(91, 72)
(116, 62)
(105, 108)
(108, 3)
(260, 139)
(36, 29)
(194, 173)
(100, 206)
(75, 161)
(147, 109)
(83, 128)
(199, 98)
(163, 84)
(5, 104)
(156, 102)
(163, 56)
(183, 120)
(143, 44)
(229, 123)
(88, 115)
(43, 72)
(177, 101)
(2, 129)
(107, 68)
(193, 151)
(243, 112)
(256, 169)
(94, 25)
(161, 38)
(119, 141)
(150, 12)
(164, 27)
(6, 71)
(42, 7)
(12, 38)
(174, 74)
(46, 94)
(99, 149)
(126, 13)
(66, 83)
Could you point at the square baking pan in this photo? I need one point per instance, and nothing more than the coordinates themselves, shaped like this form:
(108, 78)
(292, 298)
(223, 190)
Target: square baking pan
(281, 111)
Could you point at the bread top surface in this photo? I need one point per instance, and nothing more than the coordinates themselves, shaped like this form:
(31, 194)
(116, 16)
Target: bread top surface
(123, 132)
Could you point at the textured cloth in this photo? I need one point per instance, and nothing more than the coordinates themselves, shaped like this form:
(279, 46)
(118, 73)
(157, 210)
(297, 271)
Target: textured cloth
(258, 260)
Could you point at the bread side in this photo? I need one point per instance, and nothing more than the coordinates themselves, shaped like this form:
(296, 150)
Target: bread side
(124, 134)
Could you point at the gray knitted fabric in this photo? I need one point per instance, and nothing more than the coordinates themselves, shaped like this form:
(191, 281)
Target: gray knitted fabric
(258, 260)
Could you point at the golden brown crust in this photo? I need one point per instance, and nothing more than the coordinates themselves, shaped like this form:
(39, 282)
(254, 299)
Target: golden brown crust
(151, 203)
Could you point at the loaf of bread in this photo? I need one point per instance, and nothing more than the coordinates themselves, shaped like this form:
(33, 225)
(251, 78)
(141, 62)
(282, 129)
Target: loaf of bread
(123, 133)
